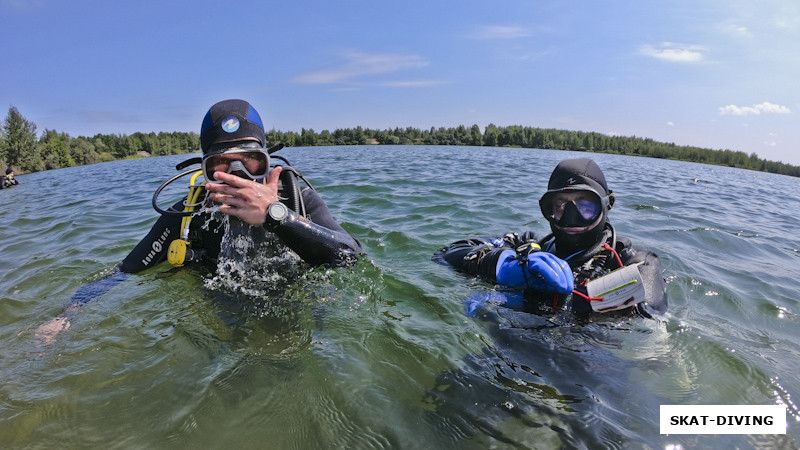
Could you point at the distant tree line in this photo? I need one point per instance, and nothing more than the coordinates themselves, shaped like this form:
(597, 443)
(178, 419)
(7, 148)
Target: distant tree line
(21, 149)
(531, 137)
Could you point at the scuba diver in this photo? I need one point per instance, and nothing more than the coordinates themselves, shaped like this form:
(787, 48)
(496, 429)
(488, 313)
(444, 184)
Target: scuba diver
(236, 166)
(581, 266)
(8, 179)
(239, 182)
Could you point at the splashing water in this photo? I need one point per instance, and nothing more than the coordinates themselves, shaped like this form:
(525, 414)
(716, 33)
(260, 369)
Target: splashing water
(252, 260)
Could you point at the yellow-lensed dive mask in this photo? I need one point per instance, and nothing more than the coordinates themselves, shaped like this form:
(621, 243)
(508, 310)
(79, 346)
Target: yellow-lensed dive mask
(247, 160)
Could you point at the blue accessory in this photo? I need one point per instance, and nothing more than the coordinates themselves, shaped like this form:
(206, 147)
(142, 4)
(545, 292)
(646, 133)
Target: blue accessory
(477, 300)
(252, 116)
(541, 271)
(95, 289)
(230, 124)
(230, 121)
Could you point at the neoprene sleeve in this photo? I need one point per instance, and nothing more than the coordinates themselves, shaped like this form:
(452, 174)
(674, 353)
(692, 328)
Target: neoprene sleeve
(316, 244)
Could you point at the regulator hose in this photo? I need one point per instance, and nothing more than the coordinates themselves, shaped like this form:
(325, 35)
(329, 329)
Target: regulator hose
(172, 212)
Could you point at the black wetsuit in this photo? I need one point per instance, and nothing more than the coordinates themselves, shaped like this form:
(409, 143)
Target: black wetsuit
(8, 181)
(480, 256)
(317, 239)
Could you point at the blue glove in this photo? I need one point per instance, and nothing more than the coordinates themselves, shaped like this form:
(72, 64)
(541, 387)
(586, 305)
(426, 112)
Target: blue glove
(542, 271)
(477, 300)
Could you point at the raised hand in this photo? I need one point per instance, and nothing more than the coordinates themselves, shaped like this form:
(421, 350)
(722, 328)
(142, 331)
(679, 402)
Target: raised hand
(245, 199)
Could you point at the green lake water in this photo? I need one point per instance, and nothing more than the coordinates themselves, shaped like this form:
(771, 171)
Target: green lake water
(381, 355)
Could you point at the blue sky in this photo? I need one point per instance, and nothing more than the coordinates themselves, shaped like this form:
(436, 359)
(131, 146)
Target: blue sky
(722, 74)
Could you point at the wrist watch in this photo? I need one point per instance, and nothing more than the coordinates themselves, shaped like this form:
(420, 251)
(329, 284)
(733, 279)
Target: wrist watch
(276, 213)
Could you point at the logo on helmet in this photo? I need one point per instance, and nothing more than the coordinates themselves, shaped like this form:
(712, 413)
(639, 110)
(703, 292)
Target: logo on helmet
(230, 124)
(571, 180)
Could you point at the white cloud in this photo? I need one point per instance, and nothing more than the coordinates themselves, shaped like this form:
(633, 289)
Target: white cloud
(762, 108)
(734, 29)
(787, 16)
(670, 124)
(359, 64)
(672, 52)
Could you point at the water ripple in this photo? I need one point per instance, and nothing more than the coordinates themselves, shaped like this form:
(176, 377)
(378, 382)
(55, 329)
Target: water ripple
(380, 355)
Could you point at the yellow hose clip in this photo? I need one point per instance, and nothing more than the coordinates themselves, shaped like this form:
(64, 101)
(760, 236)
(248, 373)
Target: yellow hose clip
(191, 201)
(180, 248)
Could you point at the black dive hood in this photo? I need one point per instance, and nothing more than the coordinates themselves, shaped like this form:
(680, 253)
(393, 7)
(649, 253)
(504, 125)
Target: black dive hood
(573, 175)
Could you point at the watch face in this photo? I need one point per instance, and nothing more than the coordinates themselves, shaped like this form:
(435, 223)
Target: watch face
(278, 211)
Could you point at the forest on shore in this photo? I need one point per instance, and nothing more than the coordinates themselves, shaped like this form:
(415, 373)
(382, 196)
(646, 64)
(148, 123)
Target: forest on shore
(22, 149)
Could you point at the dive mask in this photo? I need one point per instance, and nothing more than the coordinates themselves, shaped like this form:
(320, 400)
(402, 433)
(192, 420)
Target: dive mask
(573, 211)
(587, 210)
(248, 160)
